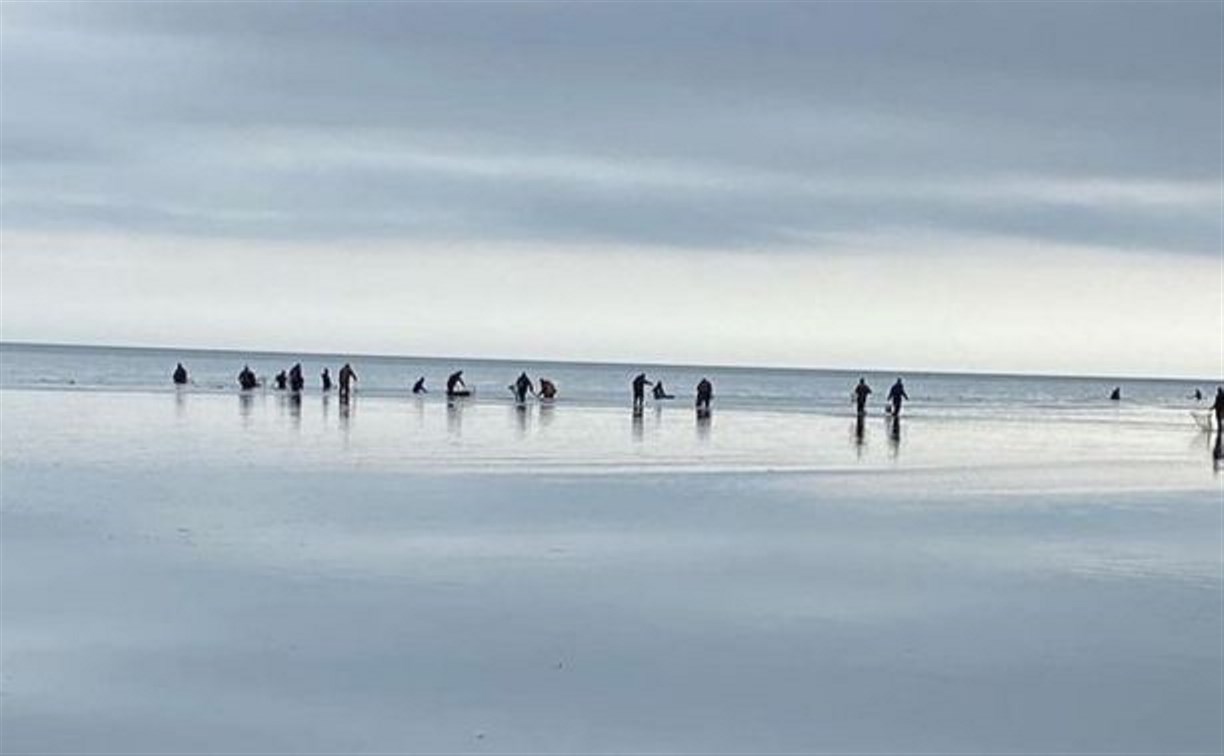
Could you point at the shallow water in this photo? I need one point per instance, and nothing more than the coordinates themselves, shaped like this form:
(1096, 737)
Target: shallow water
(211, 571)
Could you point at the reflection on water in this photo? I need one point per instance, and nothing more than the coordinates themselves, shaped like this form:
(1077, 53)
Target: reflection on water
(703, 425)
(246, 400)
(522, 419)
(454, 417)
(294, 402)
(419, 405)
(288, 431)
(1217, 452)
(347, 411)
(858, 434)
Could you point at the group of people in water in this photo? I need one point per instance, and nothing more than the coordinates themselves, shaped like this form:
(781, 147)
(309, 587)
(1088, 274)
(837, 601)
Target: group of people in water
(522, 387)
(290, 380)
(545, 389)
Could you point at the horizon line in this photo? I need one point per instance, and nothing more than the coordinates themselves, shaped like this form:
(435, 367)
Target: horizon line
(605, 363)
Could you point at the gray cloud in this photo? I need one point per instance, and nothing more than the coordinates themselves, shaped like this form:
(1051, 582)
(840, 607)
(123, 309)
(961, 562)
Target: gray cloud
(1010, 186)
(679, 124)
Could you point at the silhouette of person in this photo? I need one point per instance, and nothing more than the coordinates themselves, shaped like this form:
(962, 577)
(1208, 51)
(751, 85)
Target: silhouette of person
(660, 393)
(454, 382)
(861, 392)
(281, 380)
(1218, 406)
(419, 386)
(347, 377)
(521, 386)
(548, 389)
(705, 392)
(1198, 395)
(296, 381)
(895, 395)
(180, 375)
(247, 379)
(1116, 394)
(325, 377)
(639, 390)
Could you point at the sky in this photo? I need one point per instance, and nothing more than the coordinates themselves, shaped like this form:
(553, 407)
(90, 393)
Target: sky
(1013, 186)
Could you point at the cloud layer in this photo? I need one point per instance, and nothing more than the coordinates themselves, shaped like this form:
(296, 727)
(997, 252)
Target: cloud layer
(721, 132)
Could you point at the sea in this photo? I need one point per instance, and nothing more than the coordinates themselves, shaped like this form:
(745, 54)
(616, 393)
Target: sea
(1016, 565)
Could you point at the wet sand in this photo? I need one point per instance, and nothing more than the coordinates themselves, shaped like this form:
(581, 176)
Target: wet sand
(209, 574)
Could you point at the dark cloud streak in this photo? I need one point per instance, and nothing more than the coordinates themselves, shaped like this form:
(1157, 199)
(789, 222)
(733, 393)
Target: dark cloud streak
(156, 117)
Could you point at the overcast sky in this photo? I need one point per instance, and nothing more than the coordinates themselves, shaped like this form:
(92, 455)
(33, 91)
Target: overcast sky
(1014, 186)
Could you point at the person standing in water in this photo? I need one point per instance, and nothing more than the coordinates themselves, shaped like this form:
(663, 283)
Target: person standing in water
(325, 377)
(895, 395)
(1116, 394)
(453, 384)
(347, 377)
(521, 386)
(548, 389)
(861, 392)
(281, 380)
(419, 386)
(705, 392)
(247, 379)
(1218, 406)
(296, 381)
(180, 375)
(639, 390)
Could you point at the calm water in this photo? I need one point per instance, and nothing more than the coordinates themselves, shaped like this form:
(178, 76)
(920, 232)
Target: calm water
(1021, 566)
(117, 405)
(827, 391)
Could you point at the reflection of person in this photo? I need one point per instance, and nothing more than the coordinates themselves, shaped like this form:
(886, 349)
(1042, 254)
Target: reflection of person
(180, 375)
(325, 377)
(705, 392)
(639, 390)
(548, 389)
(419, 386)
(895, 395)
(347, 377)
(861, 392)
(660, 393)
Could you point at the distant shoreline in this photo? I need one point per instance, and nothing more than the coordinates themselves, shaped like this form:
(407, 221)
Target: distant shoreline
(239, 353)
